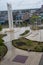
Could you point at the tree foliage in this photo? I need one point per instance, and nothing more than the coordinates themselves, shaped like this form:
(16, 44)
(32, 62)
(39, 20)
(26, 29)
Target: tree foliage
(34, 18)
(0, 27)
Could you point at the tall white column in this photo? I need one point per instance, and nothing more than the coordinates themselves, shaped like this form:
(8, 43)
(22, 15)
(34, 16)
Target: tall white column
(10, 16)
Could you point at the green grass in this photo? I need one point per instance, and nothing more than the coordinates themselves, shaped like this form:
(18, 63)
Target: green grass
(26, 32)
(28, 45)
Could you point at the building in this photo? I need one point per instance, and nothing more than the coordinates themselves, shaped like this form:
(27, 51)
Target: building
(22, 14)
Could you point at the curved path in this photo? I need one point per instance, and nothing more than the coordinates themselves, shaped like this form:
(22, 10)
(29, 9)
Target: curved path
(33, 57)
(36, 35)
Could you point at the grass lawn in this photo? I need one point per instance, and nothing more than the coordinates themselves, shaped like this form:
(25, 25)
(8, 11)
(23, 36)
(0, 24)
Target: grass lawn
(26, 32)
(28, 45)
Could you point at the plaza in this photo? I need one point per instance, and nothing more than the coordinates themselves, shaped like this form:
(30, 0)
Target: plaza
(17, 54)
(36, 35)
(32, 57)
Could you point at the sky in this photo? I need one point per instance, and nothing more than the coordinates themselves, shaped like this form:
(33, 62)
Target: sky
(21, 4)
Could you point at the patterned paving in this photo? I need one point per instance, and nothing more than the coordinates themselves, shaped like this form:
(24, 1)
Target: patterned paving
(20, 59)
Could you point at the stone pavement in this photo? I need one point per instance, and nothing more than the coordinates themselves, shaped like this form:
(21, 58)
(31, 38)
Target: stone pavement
(34, 58)
(36, 35)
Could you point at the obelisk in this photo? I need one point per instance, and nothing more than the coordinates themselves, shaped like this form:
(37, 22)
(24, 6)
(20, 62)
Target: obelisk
(10, 16)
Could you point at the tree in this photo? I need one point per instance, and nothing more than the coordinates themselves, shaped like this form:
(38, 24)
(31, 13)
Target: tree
(0, 27)
(34, 20)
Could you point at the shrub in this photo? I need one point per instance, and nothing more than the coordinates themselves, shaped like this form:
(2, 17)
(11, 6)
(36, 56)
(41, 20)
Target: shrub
(3, 50)
(26, 32)
(29, 43)
(20, 43)
(1, 42)
(38, 48)
(42, 48)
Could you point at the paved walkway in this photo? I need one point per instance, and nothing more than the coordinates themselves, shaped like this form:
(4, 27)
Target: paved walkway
(34, 58)
(36, 35)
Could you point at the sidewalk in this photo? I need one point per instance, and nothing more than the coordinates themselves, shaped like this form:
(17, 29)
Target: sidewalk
(33, 57)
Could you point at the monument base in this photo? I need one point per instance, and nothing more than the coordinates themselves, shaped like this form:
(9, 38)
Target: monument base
(9, 30)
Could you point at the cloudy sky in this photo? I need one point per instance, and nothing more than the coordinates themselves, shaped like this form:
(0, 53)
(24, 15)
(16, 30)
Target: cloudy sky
(21, 4)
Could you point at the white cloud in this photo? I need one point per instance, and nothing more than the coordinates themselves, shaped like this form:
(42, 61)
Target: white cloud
(20, 4)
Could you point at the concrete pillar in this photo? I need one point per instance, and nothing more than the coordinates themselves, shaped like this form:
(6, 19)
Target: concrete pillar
(10, 16)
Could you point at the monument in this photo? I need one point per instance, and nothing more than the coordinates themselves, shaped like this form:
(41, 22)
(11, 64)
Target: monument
(10, 17)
